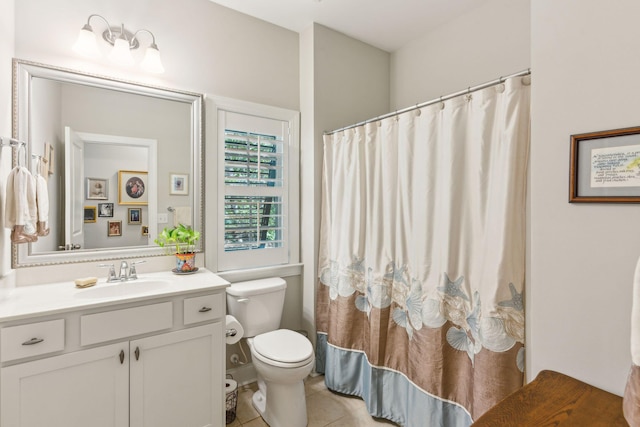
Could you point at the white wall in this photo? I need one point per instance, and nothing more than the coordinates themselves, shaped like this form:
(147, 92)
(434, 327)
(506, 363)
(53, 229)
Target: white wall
(482, 45)
(45, 125)
(586, 63)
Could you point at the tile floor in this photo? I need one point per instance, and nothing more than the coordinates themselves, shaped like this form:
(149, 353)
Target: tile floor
(324, 408)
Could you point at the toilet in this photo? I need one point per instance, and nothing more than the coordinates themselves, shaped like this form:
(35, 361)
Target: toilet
(282, 358)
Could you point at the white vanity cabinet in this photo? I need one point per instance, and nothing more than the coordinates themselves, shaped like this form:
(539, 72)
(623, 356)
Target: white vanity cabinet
(155, 362)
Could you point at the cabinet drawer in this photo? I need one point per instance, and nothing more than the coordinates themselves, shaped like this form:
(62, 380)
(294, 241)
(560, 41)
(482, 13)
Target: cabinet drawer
(118, 324)
(201, 309)
(33, 339)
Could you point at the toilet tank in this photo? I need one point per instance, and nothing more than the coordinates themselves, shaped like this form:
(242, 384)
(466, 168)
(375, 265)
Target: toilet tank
(257, 304)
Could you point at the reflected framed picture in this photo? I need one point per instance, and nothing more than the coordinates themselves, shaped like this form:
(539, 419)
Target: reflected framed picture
(97, 189)
(105, 210)
(605, 167)
(135, 216)
(50, 158)
(90, 213)
(179, 184)
(114, 228)
(145, 230)
(132, 188)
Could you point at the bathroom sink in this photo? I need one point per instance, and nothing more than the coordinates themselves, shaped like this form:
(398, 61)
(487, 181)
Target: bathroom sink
(123, 289)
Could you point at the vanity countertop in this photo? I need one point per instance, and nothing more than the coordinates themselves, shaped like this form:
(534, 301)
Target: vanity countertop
(52, 298)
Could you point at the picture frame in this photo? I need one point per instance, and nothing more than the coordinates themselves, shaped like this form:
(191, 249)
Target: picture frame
(605, 166)
(179, 184)
(105, 210)
(97, 189)
(90, 214)
(134, 216)
(145, 230)
(50, 158)
(132, 187)
(114, 228)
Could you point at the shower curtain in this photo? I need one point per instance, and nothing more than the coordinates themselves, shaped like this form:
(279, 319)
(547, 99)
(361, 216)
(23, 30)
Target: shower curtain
(419, 306)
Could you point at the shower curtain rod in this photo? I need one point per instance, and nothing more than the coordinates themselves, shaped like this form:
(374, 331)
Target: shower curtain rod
(433, 101)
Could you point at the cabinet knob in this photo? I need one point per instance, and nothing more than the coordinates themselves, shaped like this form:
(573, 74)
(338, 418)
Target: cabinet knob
(33, 341)
(121, 357)
(137, 353)
(204, 309)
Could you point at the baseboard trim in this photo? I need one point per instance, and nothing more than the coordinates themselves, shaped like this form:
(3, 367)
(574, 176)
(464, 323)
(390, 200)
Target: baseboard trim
(244, 374)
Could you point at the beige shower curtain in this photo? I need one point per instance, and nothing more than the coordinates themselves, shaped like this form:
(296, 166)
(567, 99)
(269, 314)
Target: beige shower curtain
(421, 268)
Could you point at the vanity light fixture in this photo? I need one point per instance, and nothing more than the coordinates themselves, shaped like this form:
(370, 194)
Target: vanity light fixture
(123, 43)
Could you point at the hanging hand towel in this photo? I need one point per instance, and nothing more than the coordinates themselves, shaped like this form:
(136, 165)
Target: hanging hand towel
(182, 215)
(10, 203)
(42, 203)
(21, 209)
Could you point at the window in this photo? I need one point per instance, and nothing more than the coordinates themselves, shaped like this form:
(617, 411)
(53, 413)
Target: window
(258, 204)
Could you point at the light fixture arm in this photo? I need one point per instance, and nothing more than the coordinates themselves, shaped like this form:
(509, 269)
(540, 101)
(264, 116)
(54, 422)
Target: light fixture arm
(153, 38)
(88, 24)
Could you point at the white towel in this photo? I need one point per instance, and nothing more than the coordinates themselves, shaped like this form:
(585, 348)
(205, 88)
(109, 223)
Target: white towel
(42, 199)
(182, 215)
(21, 208)
(10, 203)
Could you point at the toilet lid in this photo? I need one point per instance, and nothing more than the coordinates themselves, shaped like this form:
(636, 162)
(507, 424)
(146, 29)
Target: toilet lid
(283, 345)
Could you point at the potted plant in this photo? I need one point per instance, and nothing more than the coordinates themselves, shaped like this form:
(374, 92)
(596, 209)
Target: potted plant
(182, 240)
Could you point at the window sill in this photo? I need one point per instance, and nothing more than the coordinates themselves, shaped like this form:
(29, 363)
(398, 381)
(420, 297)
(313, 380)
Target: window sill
(286, 270)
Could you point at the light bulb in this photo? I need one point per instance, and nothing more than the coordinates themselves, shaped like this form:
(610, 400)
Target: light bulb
(151, 61)
(86, 44)
(121, 54)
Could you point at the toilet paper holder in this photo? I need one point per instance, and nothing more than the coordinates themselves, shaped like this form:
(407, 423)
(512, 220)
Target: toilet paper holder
(231, 332)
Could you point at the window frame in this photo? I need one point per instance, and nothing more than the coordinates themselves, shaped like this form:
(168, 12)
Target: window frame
(253, 259)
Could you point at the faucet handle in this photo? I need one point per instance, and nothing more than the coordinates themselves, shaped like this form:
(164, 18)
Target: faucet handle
(111, 276)
(132, 270)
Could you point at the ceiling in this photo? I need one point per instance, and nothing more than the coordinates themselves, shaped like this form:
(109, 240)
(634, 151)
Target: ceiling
(386, 24)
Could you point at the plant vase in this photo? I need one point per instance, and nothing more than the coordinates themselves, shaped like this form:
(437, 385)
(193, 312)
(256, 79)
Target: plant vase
(186, 263)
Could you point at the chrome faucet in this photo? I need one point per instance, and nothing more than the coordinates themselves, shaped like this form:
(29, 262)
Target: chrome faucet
(127, 271)
(124, 270)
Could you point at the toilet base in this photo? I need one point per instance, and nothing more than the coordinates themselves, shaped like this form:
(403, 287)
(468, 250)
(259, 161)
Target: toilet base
(287, 408)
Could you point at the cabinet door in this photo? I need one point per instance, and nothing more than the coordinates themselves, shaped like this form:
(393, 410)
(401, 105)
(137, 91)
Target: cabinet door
(85, 388)
(176, 378)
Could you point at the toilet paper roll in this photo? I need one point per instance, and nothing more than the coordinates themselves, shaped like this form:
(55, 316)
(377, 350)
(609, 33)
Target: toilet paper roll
(230, 386)
(234, 330)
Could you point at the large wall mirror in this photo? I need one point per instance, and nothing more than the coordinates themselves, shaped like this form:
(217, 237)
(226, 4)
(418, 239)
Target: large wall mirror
(121, 160)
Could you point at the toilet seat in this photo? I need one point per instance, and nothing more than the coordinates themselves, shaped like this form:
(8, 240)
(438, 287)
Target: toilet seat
(283, 348)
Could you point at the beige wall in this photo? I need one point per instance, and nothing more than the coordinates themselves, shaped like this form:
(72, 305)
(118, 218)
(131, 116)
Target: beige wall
(489, 41)
(586, 61)
(205, 47)
(6, 52)
(343, 81)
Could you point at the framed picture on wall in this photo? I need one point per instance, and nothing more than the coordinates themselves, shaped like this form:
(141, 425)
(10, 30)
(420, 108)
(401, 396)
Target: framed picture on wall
(114, 228)
(97, 189)
(132, 188)
(105, 210)
(49, 158)
(90, 213)
(605, 167)
(179, 184)
(135, 216)
(145, 230)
